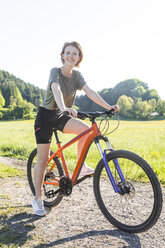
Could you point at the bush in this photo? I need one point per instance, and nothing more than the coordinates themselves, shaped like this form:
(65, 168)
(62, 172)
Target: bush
(1, 115)
(29, 116)
(6, 114)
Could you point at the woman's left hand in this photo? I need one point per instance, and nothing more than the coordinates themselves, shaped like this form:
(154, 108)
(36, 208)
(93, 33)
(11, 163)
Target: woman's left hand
(115, 107)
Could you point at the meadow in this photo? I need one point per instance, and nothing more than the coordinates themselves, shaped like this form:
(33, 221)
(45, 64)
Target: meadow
(146, 138)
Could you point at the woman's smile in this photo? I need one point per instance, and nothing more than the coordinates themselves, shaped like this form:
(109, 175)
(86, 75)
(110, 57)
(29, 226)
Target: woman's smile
(71, 55)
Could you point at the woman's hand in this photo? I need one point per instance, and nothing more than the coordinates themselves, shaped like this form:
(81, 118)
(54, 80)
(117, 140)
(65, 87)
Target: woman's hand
(72, 112)
(60, 101)
(115, 107)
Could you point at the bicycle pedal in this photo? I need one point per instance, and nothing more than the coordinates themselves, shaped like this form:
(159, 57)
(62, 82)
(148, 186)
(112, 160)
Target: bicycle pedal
(86, 176)
(51, 193)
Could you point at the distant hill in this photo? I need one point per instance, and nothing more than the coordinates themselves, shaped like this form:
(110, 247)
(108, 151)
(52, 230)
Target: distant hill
(10, 84)
(134, 88)
(19, 99)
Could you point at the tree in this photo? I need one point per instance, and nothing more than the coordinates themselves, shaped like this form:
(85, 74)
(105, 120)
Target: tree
(161, 107)
(28, 91)
(142, 109)
(22, 109)
(126, 106)
(151, 94)
(2, 100)
(152, 103)
(127, 88)
(107, 95)
(138, 91)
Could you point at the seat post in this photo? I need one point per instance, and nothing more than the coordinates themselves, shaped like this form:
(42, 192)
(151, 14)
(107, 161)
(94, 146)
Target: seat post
(56, 135)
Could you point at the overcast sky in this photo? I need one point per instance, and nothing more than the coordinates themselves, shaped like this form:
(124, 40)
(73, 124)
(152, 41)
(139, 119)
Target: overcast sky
(121, 39)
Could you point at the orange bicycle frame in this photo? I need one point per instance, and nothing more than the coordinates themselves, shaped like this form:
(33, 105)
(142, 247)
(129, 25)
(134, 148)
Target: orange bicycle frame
(93, 132)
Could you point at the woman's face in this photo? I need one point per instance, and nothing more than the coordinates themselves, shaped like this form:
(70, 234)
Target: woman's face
(71, 56)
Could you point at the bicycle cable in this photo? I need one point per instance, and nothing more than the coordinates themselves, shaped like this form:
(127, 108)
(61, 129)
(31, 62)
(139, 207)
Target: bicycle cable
(106, 125)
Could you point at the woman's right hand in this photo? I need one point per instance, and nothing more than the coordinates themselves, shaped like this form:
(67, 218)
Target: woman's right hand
(71, 111)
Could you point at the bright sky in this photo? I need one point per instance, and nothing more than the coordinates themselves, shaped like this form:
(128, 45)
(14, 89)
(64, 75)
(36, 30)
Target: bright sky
(121, 39)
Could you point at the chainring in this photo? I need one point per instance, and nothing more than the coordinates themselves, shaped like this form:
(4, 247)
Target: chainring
(65, 186)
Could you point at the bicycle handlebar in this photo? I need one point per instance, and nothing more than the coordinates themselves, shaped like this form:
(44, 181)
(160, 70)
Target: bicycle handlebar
(92, 115)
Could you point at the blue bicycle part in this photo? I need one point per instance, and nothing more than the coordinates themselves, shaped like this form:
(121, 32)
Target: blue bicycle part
(111, 178)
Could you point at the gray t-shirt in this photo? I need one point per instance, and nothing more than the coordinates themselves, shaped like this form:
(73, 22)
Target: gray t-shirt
(68, 87)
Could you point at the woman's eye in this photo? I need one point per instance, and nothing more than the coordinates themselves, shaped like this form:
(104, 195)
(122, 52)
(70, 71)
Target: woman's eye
(69, 53)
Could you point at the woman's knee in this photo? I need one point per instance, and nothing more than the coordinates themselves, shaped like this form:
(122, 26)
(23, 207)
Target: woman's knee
(75, 126)
(43, 152)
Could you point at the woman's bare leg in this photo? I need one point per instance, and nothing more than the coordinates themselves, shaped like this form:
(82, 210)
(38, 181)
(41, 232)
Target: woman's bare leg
(76, 126)
(43, 151)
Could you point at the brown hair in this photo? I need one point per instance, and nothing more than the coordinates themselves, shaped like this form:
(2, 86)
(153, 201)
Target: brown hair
(76, 45)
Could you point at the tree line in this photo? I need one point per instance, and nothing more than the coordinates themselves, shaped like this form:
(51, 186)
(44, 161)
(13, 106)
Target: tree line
(20, 100)
(134, 97)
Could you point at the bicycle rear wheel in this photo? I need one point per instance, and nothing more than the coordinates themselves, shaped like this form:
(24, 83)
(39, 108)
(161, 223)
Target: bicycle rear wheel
(140, 207)
(56, 173)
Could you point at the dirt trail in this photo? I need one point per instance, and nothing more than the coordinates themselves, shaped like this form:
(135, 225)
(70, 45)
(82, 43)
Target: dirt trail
(75, 222)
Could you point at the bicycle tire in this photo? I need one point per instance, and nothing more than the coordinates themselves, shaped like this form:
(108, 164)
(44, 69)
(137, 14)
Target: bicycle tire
(129, 213)
(59, 173)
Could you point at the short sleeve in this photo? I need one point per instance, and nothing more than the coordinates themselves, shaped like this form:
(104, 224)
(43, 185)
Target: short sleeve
(54, 76)
(80, 81)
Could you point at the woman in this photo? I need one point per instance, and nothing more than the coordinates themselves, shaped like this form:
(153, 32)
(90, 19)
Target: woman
(60, 94)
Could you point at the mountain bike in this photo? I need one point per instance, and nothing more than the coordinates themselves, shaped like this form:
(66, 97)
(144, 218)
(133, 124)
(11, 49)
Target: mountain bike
(126, 188)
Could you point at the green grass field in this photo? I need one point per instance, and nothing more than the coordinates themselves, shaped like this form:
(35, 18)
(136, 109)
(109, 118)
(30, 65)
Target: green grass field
(146, 138)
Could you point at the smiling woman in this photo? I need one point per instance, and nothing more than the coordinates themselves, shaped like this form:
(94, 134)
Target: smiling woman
(72, 51)
(60, 95)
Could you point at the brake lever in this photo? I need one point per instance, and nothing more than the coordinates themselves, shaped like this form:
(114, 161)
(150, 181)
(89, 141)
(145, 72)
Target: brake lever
(110, 113)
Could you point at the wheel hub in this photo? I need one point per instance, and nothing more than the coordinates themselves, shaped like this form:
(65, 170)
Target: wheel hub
(127, 189)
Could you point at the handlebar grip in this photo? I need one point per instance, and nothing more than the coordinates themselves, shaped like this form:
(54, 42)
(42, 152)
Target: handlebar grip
(81, 115)
(110, 113)
(65, 113)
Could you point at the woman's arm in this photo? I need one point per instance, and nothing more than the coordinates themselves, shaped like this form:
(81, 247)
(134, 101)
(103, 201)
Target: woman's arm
(60, 101)
(97, 99)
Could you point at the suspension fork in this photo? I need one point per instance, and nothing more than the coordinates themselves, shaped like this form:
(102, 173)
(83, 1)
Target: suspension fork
(115, 161)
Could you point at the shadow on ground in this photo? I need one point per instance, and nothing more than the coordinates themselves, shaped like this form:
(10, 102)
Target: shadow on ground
(16, 230)
(131, 239)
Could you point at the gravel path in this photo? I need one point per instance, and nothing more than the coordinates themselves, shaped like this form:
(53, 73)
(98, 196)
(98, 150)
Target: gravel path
(75, 222)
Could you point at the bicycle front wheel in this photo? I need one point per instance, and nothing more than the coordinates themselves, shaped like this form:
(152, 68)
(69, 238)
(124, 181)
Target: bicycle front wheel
(56, 173)
(140, 206)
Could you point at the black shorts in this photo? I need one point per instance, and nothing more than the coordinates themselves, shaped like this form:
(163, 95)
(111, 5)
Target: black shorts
(45, 121)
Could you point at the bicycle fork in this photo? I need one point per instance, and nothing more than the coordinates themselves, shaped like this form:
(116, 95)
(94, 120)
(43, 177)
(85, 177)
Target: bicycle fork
(108, 170)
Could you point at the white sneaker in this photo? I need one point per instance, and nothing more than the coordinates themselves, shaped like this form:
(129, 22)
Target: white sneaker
(38, 207)
(86, 170)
